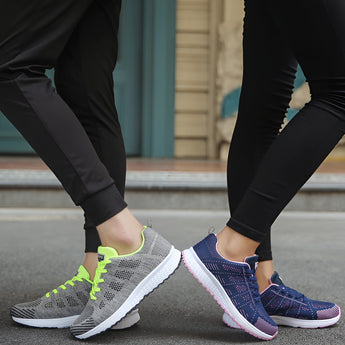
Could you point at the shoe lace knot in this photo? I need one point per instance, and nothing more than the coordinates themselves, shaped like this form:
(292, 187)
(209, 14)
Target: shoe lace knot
(97, 280)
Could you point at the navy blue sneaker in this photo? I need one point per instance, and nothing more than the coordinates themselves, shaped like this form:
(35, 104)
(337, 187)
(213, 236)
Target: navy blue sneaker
(233, 285)
(288, 307)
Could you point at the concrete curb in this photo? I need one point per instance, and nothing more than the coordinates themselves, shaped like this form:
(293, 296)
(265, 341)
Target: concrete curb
(165, 190)
(149, 180)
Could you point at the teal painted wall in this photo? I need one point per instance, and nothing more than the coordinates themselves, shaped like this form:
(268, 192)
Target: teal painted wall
(128, 75)
(159, 78)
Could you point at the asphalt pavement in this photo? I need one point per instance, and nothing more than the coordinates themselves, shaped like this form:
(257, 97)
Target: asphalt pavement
(42, 248)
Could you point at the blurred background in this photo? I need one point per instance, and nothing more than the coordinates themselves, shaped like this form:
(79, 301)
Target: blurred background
(177, 81)
(177, 86)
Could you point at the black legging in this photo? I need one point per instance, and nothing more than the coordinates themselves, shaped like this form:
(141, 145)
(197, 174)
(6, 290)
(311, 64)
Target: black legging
(76, 130)
(267, 168)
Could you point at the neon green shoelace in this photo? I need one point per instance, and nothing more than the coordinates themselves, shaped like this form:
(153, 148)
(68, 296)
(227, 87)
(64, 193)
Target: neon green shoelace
(70, 282)
(97, 280)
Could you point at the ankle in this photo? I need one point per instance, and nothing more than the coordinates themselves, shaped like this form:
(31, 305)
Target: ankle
(234, 246)
(121, 232)
(264, 273)
(124, 243)
(90, 263)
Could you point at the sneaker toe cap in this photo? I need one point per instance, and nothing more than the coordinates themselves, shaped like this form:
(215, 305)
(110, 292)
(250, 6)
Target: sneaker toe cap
(328, 313)
(266, 327)
(22, 313)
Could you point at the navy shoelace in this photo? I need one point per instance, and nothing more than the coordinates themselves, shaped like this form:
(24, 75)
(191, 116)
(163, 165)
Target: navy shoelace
(253, 284)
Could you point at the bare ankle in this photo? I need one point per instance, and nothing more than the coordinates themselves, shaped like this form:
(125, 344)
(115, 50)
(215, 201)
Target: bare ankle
(123, 243)
(234, 246)
(264, 273)
(121, 232)
(91, 263)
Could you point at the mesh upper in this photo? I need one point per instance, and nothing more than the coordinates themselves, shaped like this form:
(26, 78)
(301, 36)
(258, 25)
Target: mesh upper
(238, 281)
(122, 277)
(65, 303)
(281, 300)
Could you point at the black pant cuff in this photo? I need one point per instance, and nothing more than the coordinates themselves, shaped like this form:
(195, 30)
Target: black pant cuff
(245, 230)
(103, 205)
(264, 256)
(92, 240)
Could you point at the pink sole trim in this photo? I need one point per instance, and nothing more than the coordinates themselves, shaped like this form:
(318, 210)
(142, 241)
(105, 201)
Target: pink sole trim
(210, 292)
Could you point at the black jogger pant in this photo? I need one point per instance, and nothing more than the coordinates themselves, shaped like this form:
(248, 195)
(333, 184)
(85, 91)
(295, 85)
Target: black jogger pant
(267, 167)
(76, 129)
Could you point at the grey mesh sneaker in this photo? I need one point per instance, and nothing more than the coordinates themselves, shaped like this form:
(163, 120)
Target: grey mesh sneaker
(60, 307)
(122, 281)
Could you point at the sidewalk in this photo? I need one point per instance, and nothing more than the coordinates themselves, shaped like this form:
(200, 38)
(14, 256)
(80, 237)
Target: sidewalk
(180, 311)
(163, 184)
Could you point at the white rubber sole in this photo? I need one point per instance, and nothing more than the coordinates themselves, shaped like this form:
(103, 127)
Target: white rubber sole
(130, 320)
(147, 285)
(291, 322)
(62, 322)
(213, 286)
(298, 323)
(229, 321)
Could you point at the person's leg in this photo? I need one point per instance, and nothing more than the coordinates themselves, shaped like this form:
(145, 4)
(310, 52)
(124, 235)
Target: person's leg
(267, 85)
(317, 41)
(289, 161)
(28, 47)
(315, 130)
(231, 280)
(28, 100)
(84, 79)
(44, 119)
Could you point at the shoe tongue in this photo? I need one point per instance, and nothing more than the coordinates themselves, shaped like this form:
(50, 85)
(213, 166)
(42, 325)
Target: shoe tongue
(251, 261)
(106, 253)
(83, 273)
(275, 279)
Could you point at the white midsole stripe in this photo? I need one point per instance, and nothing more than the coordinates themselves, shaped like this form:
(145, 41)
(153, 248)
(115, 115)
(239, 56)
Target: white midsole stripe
(294, 322)
(62, 322)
